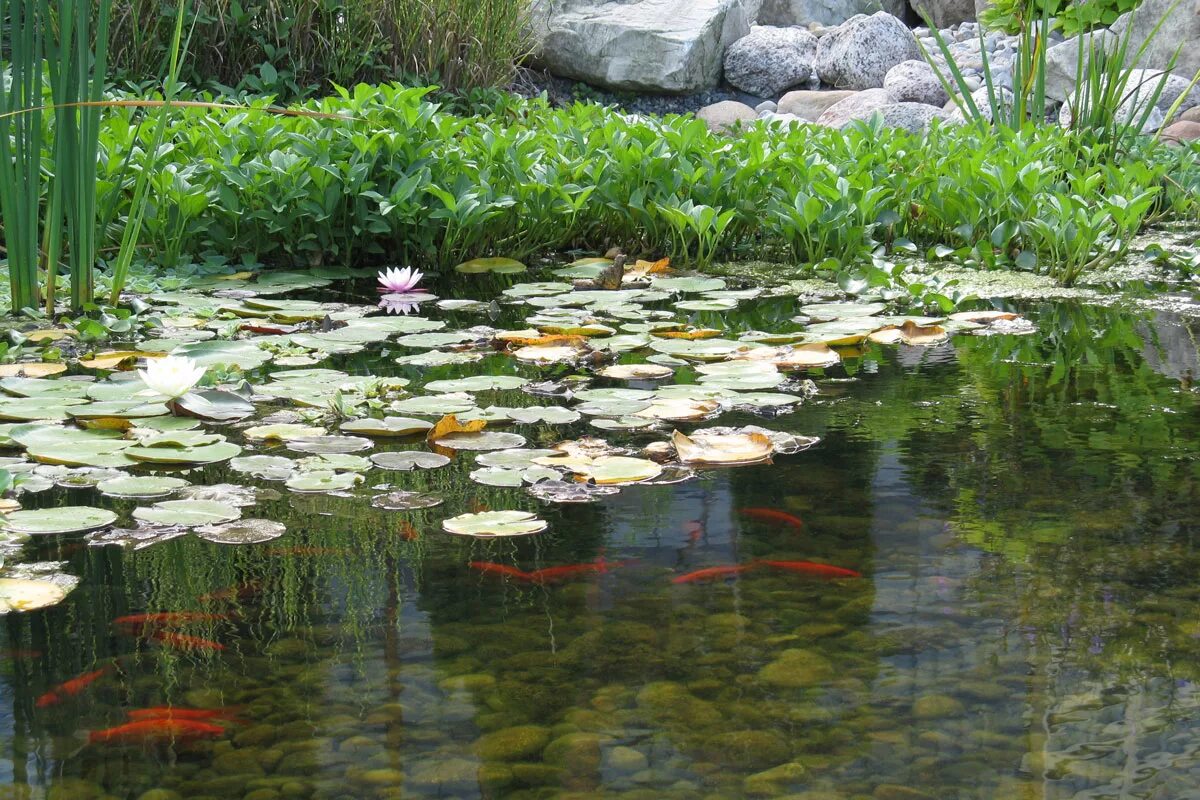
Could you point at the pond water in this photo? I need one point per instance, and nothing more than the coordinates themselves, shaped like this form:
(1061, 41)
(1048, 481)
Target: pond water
(1026, 625)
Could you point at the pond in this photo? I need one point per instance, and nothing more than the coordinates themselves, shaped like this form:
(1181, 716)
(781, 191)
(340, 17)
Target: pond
(981, 582)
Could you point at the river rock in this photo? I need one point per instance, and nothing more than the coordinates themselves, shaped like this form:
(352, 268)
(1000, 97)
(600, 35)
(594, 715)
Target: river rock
(748, 749)
(238, 762)
(625, 760)
(512, 744)
(894, 791)
(824, 12)
(1180, 30)
(915, 82)
(796, 668)
(774, 782)
(857, 106)
(944, 13)
(450, 775)
(770, 60)
(859, 53)
(721, 117)
(670, 46)
(1062, 61)
(1181, 132)
(1191, 115)
(809, 105)
(578, 753)
(937, 706)
(914, 117)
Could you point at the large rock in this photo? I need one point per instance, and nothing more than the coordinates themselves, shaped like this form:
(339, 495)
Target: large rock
(859, 53)
(915, 82)
(1062, 61)
(1180, 30)
(824, 12)
(810, 105)
(769, 60)
(914, 117)
(945, 13)
(1140, 87)
(671, 46)
(857, 106)
(1181, 132)
(720, 117)
(1191, 115)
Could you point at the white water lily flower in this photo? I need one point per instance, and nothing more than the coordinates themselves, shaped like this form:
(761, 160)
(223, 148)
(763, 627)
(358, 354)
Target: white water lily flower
(171, 376)
(397, 281)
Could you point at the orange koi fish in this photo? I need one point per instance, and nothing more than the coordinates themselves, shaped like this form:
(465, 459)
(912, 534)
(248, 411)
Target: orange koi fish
(567, 571)
(184, 642)
(713, 573)
(501, 569)
(813, 569)
(174, 712)
(70, 688)
(156, 730)
(772, 515)
(167, 618)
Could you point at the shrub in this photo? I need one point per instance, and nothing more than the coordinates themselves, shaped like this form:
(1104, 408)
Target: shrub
(296, 48)
(1072, 17)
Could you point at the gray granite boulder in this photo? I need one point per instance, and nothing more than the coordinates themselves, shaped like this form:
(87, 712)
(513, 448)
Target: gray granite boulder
(1180, 30)
(670, 46)
(768, 61)
(721, 117)
(859, 53)
(915, 117)
(982, 100)
(1062, 61)
(915, 82)
(858, 106)
(824, 12)
(810, 105)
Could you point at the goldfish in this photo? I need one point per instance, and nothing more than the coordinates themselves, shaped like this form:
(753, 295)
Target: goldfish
(554, 574)
(712, 573)
(156, 730)
(772, 515)
(70, 688)
(184, 642)
(501, 569)
(814, 569)
(168, 618)
(173, 712)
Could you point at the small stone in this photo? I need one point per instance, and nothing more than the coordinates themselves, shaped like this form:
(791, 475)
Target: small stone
(857, 106)
(746, 749)
(723, 116)
(382, 777)
(894, 791)
(796, 668)
(578, 753)
(765, 106)
(775, 781)
(915, 82)
(1191, 115)
(937, 706)
(160, 794)
(625, 760)
(513, 744)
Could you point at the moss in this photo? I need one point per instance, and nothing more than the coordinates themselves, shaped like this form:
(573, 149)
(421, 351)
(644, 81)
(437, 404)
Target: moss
(795, 669)
(746, 749)
(513, 744)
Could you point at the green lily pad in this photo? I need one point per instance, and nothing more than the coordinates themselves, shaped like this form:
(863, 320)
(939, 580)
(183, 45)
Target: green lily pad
(434, 405)
(438, 358)
(118, 409)
(240, 354)
(500, 266)
(323, 481)
(215, 405)
(519, 458)
(432, 340)
(388, 426)
(338, 462)
(405, 501)
(186, 513)
(686, 284)
(549, 415)
(270, 468)
(494, 524)
(205, 454)
(65, 519)
(482, 440)
(477, 383)
(140, 487)
(408, 460)
(329, 444)
(40, 408)
(244, 531)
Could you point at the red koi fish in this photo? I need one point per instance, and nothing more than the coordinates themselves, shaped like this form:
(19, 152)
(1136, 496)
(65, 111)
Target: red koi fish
(567, 571)
(156, 730)
(167, 618)
(70, 688)
(813, 569)
(772, 515)
(182, 641)
(713, 573)
(501, 569)
(173, 712)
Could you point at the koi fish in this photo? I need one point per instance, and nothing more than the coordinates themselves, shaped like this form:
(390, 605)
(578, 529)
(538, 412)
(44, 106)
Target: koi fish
(156, 730)
(407, 532)
(70, 688)
(168, 618)
(501, 569)
(566, 571)
(713, 573)
(814, 569)
(772, 515)
(182, 641)
(173, 712)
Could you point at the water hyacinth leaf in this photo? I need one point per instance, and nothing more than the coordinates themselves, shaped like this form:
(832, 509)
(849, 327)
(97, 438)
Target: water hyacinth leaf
(214, 405)
(477, 383)
(205, 454)
(245, 531)
(565, 492)
(329, 444)
(281, 432)
(405, 501)
(388, 426)
(186, 513)
(494, 524)
(721, 450)
(270, 468)
(499, 266)
(18, 594)
(65, 519)
(636, 372)
(409, 460)
(140, 487)
(322, 481)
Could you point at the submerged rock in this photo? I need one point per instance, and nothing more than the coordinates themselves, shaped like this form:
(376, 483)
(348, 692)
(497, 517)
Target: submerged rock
(775, 781)
(746, 749)
(937, 706)
(513, 744)
(796, 669)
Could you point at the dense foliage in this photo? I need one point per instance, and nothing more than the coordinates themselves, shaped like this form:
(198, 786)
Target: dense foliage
(397, 181)
(297, 48)
(1072, 18)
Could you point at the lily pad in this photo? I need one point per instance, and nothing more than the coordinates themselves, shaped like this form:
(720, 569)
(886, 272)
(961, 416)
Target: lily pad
(186, 513)
(245, 531)
(726, 450)
(140, 487)
(329, 444)
(405, 501)
(65, 519)
(323, 481)
(481, 440)
(388, 426)
(636, 372)
(568, 492)
(550, 415)
(269, 468)
(434, 405)
(205, 454)
(240, 354)
(281, 432)
(519, 458)
(406, 460)
(500, 266)
(477, 383)
(494, 524)
(17, 594)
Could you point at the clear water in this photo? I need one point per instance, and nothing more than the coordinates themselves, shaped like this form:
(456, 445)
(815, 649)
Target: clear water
(1028, 624)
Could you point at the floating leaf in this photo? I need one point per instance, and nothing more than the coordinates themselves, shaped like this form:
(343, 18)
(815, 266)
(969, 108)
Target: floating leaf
(434, 405)
(405, 501)
(17, 594)
(186, 513)
(281, 432)
(494, 523)
(728, 449)
(329, 444)
(245, 531)
(564, 492)
(215, 405)
(322, 481)
(550, 415)
(243, 355)
(270, 468)
(408, 460)
(65, 519)
(636, 372)
(518, 459)
(477, 383)
(388, 426)
(338, 462)
(552, 354)
(500, 266)
(483, 440)
(205, 454)
(911, 334)
(450, 424)
(140, 487)
(437, 358)
(823, 312)
(32, 369)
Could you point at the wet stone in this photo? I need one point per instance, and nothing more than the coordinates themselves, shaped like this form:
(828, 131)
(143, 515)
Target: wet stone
(893, 791)
(774, 781)
(937, 706)
(238, 762)
(160, 794)
(796, 669)
(578, 753)
(748, 749)
(625, 760)
(512, 744)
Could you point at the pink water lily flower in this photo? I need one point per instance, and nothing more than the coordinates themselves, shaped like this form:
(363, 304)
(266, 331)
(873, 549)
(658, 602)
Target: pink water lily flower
(398, 281)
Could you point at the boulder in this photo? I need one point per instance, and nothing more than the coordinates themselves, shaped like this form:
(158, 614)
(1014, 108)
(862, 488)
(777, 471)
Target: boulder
(668, 46)
(944, 13)
(983, 101)
(860, 52)
(768, 61)
(1130, 111)
(857, 106)
(808, 104)
(823, 12)
(1191, 115)
(1062, 61)
(720, 117)
(1180, 30)
(915, 117)
(1181, 132)
(1139, 88)
(915, 82)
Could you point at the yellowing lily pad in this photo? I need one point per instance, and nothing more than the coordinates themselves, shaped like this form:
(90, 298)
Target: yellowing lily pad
(722, 449)
(32, 369)
(17, 594)
(636, 372)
